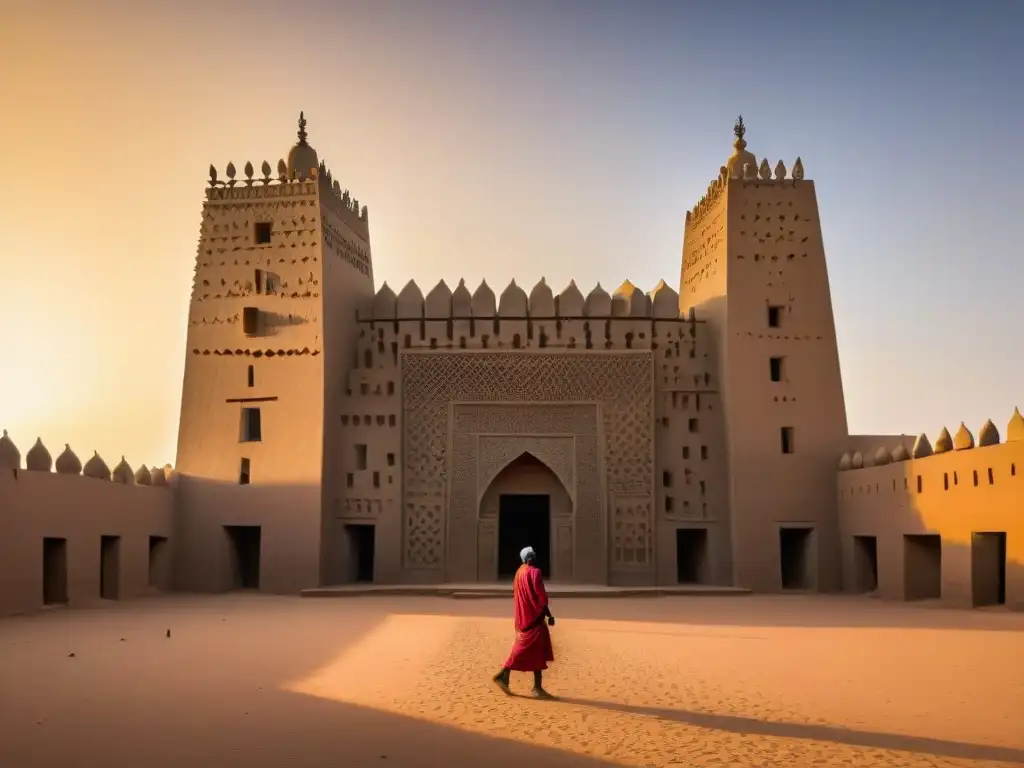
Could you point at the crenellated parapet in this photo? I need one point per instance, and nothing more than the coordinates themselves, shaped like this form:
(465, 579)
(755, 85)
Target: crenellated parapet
(748, 173)
(962, 440)
(303, 174)
(441, 303)
(39, 459)
(285, 184)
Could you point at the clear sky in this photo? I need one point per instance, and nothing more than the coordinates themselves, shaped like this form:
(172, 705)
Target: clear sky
(507, 140)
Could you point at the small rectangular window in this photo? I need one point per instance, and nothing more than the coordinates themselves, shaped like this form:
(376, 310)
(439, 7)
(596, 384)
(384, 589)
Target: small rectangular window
(243, 472)
(693, 425)
(669, 503)
(262, 231)
(360, 457)
(348, 480)
(775, 368)
(376, 479)
(266, 282)
(774, 317)
(391, 459)
(704, 453)
(252, 426)
(787, 439)
(252, 376)
(686, 451)
(251, 321)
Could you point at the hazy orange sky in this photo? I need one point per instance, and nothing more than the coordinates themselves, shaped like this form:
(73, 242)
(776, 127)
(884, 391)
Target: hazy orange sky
(500, 140)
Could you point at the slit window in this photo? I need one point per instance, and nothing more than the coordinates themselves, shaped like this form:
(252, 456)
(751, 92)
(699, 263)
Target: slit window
(786, 436)
(252, 376)
(252, 425)
(243, 472)
(775, 368)
(774, 316)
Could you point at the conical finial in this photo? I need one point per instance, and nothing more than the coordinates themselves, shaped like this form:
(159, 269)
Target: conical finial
(302, 129)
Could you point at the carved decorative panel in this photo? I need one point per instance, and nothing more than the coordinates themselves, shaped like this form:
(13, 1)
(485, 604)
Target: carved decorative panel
(620, 383)
(632, 532)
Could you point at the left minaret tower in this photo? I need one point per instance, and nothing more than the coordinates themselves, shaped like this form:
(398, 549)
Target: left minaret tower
(283, 265)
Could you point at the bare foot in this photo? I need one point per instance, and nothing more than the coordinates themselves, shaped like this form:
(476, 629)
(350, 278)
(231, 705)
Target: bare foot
(540, 693)
(500, 682)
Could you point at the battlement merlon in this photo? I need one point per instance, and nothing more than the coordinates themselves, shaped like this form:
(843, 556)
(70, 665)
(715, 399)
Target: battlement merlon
(627, 302)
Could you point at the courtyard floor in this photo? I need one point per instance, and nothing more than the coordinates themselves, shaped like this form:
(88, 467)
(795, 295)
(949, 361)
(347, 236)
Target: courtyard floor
(258, 681)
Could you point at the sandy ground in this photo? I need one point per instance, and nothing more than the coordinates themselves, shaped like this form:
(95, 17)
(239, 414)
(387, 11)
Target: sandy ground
(261, 682)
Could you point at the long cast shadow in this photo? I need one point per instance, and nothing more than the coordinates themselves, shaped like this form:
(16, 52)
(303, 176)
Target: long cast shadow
(827, 733)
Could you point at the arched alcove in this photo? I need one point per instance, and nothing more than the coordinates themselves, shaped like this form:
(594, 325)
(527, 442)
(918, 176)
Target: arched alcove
(526, 504)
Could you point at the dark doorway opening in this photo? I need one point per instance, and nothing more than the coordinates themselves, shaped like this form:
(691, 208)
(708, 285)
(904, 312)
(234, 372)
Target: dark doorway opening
(245, 555)
(55, 571)
(796, 557)
(524, 520)
(361, 541)
(988, 569)
(159, 562)
(110, 567)
(865, 563)
(922, 566)
(691, 555)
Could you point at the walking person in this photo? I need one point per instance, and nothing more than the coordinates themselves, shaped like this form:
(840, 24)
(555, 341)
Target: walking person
(532, 649)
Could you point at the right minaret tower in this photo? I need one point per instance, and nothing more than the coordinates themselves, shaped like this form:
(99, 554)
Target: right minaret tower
(754, 269)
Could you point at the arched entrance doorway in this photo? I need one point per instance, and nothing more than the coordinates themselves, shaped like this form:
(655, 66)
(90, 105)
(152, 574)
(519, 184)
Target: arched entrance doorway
(528, 506)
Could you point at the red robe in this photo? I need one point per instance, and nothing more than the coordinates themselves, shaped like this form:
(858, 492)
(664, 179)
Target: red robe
(532, 649)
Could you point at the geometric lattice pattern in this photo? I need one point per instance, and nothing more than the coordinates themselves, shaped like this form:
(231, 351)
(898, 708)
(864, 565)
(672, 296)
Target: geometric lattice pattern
(622, 383)
(633, 535)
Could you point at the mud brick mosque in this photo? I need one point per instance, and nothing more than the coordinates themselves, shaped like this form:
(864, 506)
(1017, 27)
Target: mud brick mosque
(333, 431)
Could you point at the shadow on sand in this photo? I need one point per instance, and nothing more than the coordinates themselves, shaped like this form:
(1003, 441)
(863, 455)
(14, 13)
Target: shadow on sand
(826, 733)
(209, 695)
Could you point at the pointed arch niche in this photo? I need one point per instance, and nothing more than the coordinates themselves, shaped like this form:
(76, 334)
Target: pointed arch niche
(548, 449)
(527, 476)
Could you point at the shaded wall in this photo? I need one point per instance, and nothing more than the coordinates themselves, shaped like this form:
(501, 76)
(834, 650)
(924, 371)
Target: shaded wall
(955, 495)
(754, 267)
(288, 516)
(36, 505)
(273, 364)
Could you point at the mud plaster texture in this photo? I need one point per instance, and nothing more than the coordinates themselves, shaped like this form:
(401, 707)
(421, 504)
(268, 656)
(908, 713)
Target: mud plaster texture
(260, 680)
